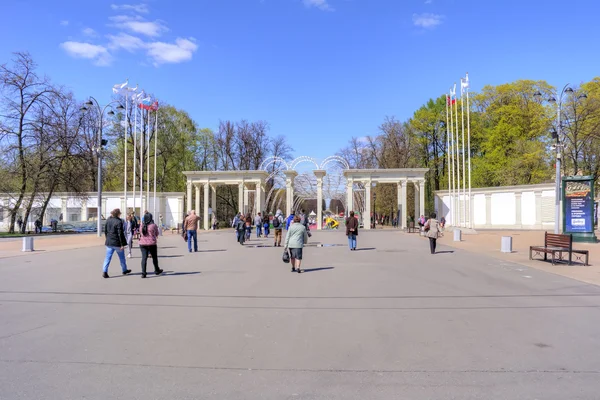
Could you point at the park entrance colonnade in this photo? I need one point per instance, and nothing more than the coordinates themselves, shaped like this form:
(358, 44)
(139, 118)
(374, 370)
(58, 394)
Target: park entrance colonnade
(255, 180)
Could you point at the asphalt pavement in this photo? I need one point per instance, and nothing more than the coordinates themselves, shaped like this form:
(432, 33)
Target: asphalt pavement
(389, 321)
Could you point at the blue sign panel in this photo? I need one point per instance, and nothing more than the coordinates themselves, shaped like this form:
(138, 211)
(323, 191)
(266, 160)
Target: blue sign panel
(579, 206)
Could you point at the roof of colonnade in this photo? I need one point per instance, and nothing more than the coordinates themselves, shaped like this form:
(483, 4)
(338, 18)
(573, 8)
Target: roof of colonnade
(226, 177)
(392, 175)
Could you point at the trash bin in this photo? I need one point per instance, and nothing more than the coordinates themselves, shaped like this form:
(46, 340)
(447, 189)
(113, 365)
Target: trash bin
(506, 244)
(28, 243)
(457, 235)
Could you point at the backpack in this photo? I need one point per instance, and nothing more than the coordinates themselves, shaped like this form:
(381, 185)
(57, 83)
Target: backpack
(276, 222)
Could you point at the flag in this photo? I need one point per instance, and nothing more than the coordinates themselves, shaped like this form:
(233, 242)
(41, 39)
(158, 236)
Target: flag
(452, 99)
(464, 83)
(120, 88)
(147, 104)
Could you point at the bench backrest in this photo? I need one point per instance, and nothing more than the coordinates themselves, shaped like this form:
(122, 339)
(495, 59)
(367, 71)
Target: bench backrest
(558, 240)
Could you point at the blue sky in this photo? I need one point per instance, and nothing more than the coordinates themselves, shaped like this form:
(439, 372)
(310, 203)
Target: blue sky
(319, 71)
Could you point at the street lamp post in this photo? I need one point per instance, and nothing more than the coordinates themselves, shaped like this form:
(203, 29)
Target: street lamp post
(556, 135)
(92, 102)
(374, 210)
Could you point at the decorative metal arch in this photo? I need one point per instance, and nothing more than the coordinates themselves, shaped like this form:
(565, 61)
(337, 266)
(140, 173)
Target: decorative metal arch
(302, 159)
(338, 159)
(272, 160)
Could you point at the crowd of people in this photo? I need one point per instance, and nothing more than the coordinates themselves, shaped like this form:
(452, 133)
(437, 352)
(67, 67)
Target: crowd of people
(120, 234)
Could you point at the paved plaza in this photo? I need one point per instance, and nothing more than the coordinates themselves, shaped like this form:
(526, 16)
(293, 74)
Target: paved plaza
(387, 322)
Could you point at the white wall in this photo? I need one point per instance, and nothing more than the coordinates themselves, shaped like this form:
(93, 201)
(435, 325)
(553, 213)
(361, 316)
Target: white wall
(504, 211)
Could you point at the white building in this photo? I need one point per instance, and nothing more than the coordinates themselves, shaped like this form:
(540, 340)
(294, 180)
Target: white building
(77, 210)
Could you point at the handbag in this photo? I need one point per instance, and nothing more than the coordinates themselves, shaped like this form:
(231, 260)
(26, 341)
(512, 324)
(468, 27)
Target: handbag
(184, 237)
(286, 256)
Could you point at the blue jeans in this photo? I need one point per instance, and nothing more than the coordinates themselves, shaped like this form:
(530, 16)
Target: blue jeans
(258, 231)
(109, 253)
(352, 241)
(192, 234)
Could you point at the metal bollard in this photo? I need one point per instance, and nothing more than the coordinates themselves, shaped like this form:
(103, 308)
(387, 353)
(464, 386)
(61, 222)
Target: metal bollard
(457, 235)
(506, 244)
(28, 243)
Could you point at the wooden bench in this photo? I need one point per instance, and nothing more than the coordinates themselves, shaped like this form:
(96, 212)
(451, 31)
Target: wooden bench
(557, 244)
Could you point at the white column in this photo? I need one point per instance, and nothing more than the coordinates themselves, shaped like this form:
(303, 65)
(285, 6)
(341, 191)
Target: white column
(246, 200)
(349, 197)
(63, 209)
(189, 197)
(241, 197)
(538, 210)
(84, 210)
(404, 204)
(206, 199)
(197, 199)
(488, 211)
(258, 194)
(399, 201)
(367, 220)
(518, 219)
(416, 199)
(213, 199)
(263, 197)
(319, 174)
(422, 197)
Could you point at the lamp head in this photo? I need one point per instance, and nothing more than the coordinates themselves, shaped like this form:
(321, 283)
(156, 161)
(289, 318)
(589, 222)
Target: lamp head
(120, 107)
(582, 96)
(83, 109)
(554, 134)
(111, 113)
(89, 103)
(537, 94)
(552, 100)
(568, 90)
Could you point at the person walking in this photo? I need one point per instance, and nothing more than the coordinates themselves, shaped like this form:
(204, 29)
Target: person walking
(241, 230)
(258, 222)
(432, 231)
(266, 223)
(115, 242)
(214, 222)
(38, 226)
(352, 230)
(148, 244)
(248, 222)
(289, 221)
(20, 222)
(295, 239)
(278, 226)
(129, 229)
(191, 228)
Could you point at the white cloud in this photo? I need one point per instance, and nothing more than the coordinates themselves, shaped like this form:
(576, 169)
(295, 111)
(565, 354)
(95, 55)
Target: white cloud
(320, 4)
(138, 8)
(428, 1)
(427, 20)
(126, 42)
(64, 22)
(89, 32)
(171, 53)
(138, 25)
(98, 54)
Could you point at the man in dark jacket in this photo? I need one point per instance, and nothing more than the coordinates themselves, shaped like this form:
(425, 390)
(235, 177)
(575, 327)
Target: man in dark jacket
(115, 241)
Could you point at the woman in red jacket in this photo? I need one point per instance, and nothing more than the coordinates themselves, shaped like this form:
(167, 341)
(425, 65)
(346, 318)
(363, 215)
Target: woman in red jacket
(148, 245)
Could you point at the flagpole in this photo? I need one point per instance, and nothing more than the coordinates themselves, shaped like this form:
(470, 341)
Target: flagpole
(469, 148)
(148, 165)
(453, 202)
(457, 148)
(462, 116)
(155, 148)
(142, 141)
(134, 150)
(125, 139)
(448, 154)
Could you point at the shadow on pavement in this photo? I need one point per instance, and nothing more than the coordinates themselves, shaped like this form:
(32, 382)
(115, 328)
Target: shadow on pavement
(210, 251)
(174, 256)
(316, 269)
(444, 252)
(171, 273)
(365, 249)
